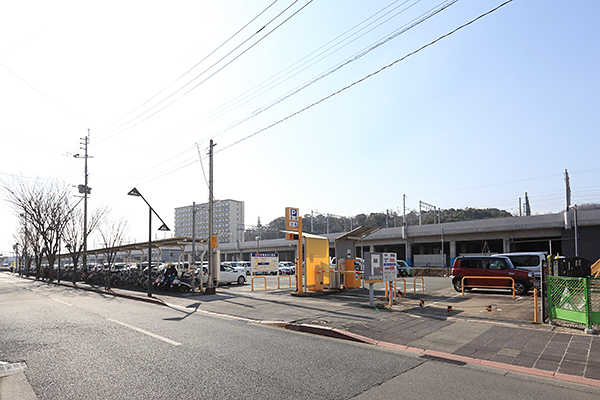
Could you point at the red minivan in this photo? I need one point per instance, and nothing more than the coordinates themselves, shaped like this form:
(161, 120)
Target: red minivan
(480, 267)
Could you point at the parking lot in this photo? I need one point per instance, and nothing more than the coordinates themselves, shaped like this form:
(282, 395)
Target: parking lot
(434, 299)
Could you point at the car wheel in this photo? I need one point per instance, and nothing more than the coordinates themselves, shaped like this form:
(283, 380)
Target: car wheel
(457, 283)
(521, 288)
(241, 280)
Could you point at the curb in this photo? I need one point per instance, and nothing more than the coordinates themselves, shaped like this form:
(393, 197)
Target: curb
(152, 300)
(341, 334)
(104, 291)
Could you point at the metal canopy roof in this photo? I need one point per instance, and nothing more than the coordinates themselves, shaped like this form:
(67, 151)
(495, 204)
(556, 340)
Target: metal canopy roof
(172, 242)
(306, 235)
(358, 233)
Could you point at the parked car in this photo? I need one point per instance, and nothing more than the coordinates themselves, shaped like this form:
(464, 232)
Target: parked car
(247, 265)
(235, 265)
(480, 267)
(291, 265)
(404, 269)
(532, 262)
(229, 274)
(284, 269)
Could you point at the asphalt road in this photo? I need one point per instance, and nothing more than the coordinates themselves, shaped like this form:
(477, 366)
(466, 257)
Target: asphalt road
(82, 345)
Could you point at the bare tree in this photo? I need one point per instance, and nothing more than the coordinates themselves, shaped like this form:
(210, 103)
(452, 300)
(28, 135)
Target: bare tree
(44, 204)
(73, 232)
(31, 247)
(112, 234)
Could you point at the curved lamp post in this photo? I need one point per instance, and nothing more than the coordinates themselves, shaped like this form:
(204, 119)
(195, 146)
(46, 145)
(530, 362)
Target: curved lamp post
(164, 227)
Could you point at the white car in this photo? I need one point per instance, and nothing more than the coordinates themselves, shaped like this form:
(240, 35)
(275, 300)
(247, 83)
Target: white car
(291, 265)
(228, 274)
(284, 269)
(235, 265)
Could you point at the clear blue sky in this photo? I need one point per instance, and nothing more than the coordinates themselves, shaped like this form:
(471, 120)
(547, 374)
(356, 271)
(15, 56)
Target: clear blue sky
(497, 109)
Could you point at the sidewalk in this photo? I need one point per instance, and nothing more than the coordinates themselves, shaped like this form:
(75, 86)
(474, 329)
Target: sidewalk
(489, 329)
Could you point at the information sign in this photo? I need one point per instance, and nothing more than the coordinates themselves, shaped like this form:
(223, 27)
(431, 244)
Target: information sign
(264, 263)
(389, 267)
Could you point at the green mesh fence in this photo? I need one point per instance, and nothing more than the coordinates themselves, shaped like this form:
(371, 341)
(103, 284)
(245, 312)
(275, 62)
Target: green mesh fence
(594, 300)
(574, 300)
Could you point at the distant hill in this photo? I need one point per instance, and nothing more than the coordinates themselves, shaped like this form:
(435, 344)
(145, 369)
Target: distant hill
(471, 214)
(323, 223)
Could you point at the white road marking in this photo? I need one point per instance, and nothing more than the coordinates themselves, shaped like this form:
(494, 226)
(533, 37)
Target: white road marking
(60, 301)
(154, 335)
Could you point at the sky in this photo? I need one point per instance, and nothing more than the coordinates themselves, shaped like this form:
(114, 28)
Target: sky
(330, 106)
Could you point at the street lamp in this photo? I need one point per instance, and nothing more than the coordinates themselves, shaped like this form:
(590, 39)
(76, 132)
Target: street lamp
(164, 227)
(574, 208)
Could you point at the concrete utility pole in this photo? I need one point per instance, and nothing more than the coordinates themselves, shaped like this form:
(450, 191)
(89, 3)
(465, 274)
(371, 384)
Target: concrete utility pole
(404, 210)
(568, 190)
(85, 190)
(211, 261)
(193, 263)
(527, 206)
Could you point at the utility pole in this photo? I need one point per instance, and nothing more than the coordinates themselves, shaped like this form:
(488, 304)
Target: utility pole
(211, 261)
(443, 256)
(193, 263)
(404, 210)
(568, 190)
(85, 190)
(527, 206)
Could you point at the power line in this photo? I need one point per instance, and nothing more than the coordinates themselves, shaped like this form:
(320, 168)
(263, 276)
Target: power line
(206, 70)
(421, 18)
(272, 81)
(440, 8)
(44, 95)
(198, 63)
(356, 57)
(366, 77)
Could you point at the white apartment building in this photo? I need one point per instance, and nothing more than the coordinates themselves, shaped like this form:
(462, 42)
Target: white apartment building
(228, 221)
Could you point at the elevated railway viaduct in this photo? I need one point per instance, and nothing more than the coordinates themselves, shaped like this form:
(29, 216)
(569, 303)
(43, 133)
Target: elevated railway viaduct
(421, 245)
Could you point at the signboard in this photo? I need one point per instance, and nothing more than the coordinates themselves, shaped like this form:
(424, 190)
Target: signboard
(373, 267)
(264, 263)
(213, 242)
(390, 272)
(380, 267)
(292, 216)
